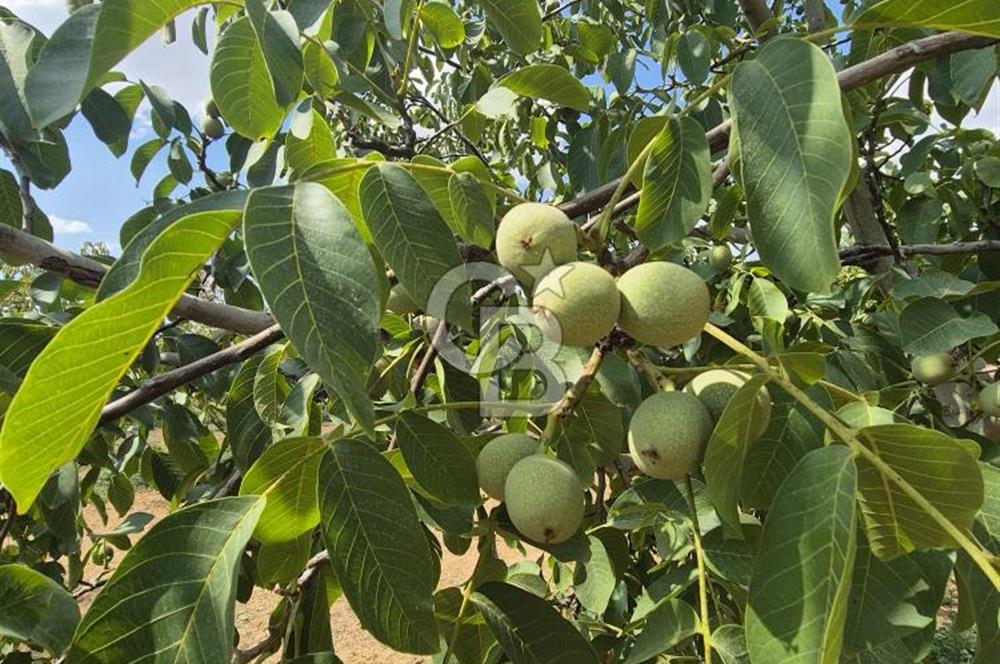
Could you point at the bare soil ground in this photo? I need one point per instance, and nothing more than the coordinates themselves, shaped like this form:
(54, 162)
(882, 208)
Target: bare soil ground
(353, 644)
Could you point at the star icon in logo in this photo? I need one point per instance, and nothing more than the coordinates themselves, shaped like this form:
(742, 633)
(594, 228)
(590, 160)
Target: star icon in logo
(545, 265)
(553, 276)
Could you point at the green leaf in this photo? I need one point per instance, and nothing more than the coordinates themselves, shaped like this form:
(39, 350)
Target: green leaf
(676, 184)
(767, 301)
(794, 158)
(110, 122)
(529, 630)
(36, 609)
(978, 17)
(309, 140)
(241, 84)
(269, 386)
(518, 21)
(981, 595)
(60, 401)
(278, 37)
(11, 210)
(143, 155)
(343, 178)
(549, 82)
(798, 595)
(472, 210)
(596, 424)
(727, 450)
(892, 600)
(19, 44)
(938, 466)
(667, 625)
(438, 459)
(126, 268)
(414, 239)
(594, 577)
(21, 341)
(732, 559)
(319, 281)
(246, 432)
(377, 547)
(694, 55)
(286, 474)
(173, 596)
(930, 325)
(471, 636)
(86, 47)
(443, 23)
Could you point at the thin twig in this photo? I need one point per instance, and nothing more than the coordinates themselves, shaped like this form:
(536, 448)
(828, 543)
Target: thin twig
(28, 205)
(560, 9)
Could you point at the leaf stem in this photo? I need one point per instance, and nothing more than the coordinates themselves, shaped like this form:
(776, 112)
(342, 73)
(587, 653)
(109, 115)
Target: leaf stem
(706, 627)
(466, 594)
(404, 73)
(851, 439)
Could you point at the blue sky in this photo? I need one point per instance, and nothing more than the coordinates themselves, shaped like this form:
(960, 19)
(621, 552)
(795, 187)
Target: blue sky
(99, 193)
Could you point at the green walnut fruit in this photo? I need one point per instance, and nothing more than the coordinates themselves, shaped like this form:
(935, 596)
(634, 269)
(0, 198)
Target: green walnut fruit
(497, 458)
(400, 302)
(212, 127)
(668, 434)
(989, 400)
(933, 369)
(716, 387)
(720, 258)
(533, 238)
(427, 324)
(211, 108)
(544, 499)
(576, 304)
(663, 304)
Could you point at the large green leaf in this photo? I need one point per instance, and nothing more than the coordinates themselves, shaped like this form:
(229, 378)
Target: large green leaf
(173, 597)
(377, 547)
(21, 341)
(798, 594)
(933, 463)
(241, 84)
(443, 23)
(983, 597)
(124, 270)
(667, 625)
(529, 630)
(309, 141)
(727, 450)
(86, 47)
(931, 325)
(794, 158)
(438, 459)
(676, 183)
(978, 17)
(472, 212)
(287, 474)
(469, 633)
(278, 37)
(414, 239)
(594, 577)
(60, 401)
(269, 386)
(318, 278)
(518, 21)
(36, 609)
(549, 82)
(246, 432)
(19, 44)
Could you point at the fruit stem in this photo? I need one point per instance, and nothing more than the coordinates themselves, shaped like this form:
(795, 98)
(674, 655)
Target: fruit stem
(652, 372)
(851, 439)
(572, 396)
(706, 628)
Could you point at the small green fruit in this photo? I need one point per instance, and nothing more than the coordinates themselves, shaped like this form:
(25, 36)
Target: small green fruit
(576, 304)
(211, 109)
(989, 400)
(668, 434)
(663, 304)
(212, 127)
(720, 258)
(933, 369)
(716, 387)
(400, 302)
(544, 499)
(427, 324)
(530, 236)
(497, 458)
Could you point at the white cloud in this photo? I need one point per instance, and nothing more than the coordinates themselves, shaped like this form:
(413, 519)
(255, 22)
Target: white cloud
(63, 226)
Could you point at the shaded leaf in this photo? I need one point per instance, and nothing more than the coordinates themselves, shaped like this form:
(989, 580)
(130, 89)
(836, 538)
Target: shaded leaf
(36, 609)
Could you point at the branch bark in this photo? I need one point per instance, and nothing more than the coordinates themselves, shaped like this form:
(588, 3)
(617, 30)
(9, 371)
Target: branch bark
(165, 382)
(861, 254)
(26, 248)
(756, 12)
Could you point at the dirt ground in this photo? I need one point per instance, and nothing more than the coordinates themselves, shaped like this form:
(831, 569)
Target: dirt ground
(353, 644)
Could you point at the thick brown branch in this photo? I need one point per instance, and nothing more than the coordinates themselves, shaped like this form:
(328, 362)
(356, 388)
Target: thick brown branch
(165, 382)
(26, 248)
(890, 62)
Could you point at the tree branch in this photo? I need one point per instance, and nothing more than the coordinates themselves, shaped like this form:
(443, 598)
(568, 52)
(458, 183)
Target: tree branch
(862, 253)
(28, 205)
(26, 248)
(165, 382)
(757, 13)
(890, 62)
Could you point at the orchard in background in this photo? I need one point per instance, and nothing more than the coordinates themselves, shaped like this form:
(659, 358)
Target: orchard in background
(697, 301)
